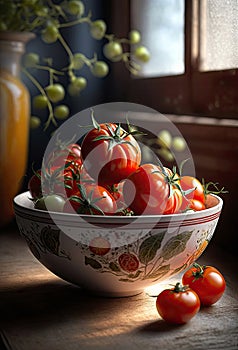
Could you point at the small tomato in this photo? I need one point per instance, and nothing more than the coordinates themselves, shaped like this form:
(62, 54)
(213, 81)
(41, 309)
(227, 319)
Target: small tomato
(178, 305)
(206, 281)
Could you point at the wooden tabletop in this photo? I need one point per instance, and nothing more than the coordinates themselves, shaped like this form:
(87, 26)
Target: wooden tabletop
(39, 311)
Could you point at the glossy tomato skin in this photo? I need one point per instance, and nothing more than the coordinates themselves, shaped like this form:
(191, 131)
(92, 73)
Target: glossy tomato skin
(177, 307)
(209, 285)
(174, 202)
(107, 164)
(190, 182)
(98, 201)
(146, 191)
(34, 185)
(192, 204)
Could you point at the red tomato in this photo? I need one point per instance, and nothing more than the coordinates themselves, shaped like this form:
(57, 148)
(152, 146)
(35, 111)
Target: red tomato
(175, 199)
(117, 192)
(189, 183)
(34, 185)
(174, 202)
(59, 181)
(146, 191)
(207, 282)
(192, 204)
(64, 155)
(110, 154)
(91, 199)
(178, 305)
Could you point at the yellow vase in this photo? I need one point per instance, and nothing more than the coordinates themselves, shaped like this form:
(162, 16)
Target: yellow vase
(14, 121)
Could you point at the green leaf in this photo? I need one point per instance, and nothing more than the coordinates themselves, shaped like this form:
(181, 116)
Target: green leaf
(149, 247)
(114, 267)
(135, 275)
(159, 272)
(93, 263)
(176, 245)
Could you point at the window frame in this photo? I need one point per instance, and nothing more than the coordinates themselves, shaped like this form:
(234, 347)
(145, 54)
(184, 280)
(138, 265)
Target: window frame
(212, 93)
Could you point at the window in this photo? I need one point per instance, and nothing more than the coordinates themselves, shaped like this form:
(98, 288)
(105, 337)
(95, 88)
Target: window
(194, 65)
(160, 27)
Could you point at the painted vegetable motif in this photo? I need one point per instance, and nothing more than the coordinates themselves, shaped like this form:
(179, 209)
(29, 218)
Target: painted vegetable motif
(140, 260)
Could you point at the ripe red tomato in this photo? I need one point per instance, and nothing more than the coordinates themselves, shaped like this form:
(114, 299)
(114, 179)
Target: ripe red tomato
(116, 191)
(57, 180)
(177, 305)
(192, 204)
(174, 202)
(146, 191)
(65, 155)
(175, 199)
(110, 154)
(207, 282)
(34, 185)
(91, 199)
(189, 183)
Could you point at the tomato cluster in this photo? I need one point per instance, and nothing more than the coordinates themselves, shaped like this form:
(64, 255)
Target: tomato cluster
(104, 176)
(201, 286)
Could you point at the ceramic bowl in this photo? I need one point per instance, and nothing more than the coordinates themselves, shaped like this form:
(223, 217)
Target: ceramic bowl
(115, 255)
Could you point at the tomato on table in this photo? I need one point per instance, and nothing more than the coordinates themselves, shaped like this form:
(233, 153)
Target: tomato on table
(110, 154)
(206, 281)
(178, 305)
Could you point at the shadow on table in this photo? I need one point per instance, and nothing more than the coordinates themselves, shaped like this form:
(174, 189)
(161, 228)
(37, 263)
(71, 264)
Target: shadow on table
(53, 301)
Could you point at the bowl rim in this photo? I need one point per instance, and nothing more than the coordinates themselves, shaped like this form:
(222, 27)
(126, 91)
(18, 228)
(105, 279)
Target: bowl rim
(20, 209)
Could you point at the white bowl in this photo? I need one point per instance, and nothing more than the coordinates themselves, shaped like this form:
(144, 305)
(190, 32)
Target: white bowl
(115, 255)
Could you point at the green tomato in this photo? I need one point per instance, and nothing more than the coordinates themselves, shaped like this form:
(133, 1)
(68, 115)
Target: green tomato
(166, 154)
(75, 7)
(100, 69)
(61, 112)
(40, 102)
(51, 202)
(35, 122)
(164, 138)
(134, 37)
(113, 51)
(55, 92)
(31, 59)
(98, 29)
(50, 34)
(178, 144)
(77, 85)
(78, 61)
(142, 54)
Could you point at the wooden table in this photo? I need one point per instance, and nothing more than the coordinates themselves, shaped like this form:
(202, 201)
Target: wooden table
(39, 311)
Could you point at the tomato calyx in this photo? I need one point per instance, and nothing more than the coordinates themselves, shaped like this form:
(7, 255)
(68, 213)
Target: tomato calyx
(117, 136)
(180, 288)
(199, 271)
(87, 202)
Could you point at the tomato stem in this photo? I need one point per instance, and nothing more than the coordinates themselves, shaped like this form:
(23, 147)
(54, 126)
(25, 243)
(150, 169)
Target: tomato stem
(199, 270)
(179, 287)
